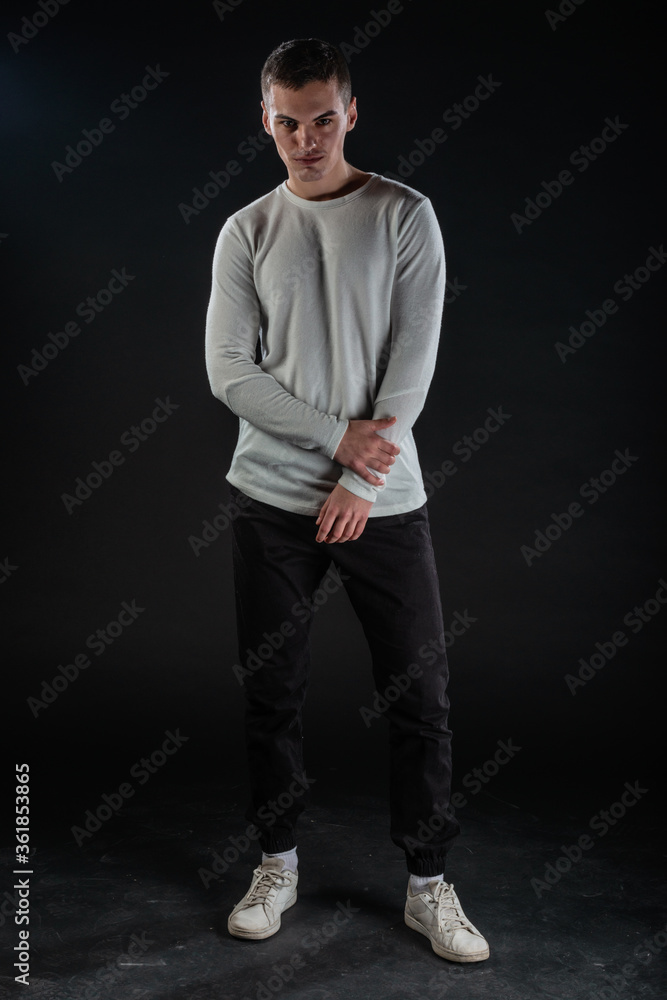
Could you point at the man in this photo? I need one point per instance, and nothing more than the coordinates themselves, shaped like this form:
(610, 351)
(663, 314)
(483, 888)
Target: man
(340, 274)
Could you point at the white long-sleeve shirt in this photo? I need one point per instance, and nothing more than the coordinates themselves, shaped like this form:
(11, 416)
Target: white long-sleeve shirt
(345, 297)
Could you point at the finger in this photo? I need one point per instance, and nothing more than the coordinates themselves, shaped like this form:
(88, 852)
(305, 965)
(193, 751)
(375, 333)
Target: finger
(358, 530)
(351, 532)
(379, 467)
(340, 528)
(359, 525)
(337, 533)
(389, 447)
(368, 476)
(348, 534)
(322, 510)
(325, 527)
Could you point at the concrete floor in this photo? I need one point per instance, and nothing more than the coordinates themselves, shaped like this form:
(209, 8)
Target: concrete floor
(139, 911)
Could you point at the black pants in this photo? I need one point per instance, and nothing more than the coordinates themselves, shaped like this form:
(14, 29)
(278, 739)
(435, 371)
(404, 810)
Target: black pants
(390, 577)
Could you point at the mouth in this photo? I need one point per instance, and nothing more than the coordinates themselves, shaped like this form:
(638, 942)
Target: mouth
(308, 160)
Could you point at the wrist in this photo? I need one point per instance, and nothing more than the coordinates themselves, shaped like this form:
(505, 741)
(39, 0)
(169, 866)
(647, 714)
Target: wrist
(358, 487)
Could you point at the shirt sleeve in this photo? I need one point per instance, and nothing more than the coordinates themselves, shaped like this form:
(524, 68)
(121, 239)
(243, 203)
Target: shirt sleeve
(233, 323)
(417, 300)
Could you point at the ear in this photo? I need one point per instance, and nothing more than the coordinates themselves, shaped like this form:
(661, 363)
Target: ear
(352, 114)
(266, 121)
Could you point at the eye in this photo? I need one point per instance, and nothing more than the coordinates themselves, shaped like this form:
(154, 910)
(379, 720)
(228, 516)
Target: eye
(324, 121)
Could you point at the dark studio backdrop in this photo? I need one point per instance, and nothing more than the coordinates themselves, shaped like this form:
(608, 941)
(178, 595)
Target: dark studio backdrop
(130, 133)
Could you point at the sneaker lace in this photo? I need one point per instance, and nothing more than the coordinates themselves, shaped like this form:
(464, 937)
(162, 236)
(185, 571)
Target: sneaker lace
(449, 910)
(267, 883)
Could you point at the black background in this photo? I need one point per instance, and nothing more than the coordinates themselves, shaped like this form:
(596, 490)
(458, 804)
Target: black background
(130, 540)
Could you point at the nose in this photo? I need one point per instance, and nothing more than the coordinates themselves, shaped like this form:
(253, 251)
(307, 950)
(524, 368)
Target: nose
(305, 137)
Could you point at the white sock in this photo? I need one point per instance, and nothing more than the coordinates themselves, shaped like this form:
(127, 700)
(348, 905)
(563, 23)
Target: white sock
(418, 882)
(288, 858)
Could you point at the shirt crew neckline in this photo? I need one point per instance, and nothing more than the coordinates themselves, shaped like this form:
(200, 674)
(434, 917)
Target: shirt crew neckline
(329, 202)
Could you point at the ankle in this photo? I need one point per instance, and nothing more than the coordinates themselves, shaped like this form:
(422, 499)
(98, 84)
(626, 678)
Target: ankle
(420, 882)
(289, 859)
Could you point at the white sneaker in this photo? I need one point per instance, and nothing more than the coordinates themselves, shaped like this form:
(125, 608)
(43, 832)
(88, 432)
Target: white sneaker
(437, 914)
(271, 891)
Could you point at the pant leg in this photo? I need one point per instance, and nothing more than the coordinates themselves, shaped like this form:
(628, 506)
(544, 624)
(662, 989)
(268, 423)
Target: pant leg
(277, 567)
(393, 586)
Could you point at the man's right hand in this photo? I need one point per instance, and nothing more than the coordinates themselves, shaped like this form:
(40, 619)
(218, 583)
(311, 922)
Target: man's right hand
(361, 446)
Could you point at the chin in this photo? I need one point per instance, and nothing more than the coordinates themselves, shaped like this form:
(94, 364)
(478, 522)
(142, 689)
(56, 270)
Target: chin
(305, 174)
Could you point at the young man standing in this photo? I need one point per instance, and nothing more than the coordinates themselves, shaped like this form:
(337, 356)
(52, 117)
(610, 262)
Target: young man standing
(339, 274)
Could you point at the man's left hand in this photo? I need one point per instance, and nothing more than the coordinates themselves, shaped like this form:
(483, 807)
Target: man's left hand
(343, 516)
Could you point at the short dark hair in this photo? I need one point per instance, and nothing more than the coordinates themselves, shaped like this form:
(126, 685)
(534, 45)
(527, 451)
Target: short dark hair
(304, 60)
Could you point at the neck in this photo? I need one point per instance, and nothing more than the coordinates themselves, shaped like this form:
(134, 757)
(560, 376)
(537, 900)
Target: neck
(345, 181)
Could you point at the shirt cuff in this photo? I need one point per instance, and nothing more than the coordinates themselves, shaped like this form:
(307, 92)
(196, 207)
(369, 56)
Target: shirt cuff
(331, 447)
(355, 484)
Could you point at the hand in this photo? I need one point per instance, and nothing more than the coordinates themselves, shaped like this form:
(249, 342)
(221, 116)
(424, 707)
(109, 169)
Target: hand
(343, 516)
(361, 446)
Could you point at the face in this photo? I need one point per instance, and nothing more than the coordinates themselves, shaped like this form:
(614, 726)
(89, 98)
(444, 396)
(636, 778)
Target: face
(309, 128)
